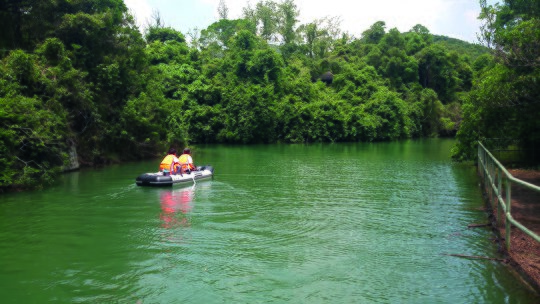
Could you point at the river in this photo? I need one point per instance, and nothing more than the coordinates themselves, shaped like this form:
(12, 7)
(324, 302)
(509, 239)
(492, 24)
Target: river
(320, 223)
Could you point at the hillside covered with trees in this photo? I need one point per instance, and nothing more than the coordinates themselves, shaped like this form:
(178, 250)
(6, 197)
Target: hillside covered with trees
(79, 75)
(503, 107)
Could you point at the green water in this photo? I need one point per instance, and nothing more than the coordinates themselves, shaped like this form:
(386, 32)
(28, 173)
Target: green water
(328, 223)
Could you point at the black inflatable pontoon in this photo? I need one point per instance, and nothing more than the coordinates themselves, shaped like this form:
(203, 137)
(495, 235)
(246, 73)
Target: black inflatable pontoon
(161, 179)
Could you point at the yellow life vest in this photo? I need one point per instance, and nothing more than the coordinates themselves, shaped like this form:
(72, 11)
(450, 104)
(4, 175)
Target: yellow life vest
(184, 162)
(168, 163)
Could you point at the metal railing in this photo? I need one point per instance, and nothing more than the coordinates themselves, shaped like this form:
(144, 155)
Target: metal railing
(494, 176)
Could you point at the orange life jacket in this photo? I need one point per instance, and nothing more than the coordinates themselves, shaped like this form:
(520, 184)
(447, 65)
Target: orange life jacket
(168, 163)
(185, 164)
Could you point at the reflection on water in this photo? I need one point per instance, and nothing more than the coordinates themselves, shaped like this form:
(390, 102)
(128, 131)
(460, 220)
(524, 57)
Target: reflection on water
(175, 205)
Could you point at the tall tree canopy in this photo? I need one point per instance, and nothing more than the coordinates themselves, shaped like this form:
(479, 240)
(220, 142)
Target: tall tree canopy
(78, 75)
(504, 102)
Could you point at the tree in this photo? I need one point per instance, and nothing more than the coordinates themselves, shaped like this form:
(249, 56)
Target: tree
(319, 36)
(417, 39)
(265, 66)
(375, 33)
(250, 115)
(268, 19)
(92, 80)
(288, 15)
(37, 101)
(437, 72)
(506, 94)
(390, 114)
(395, 64)
(219, 33)
(423, 32)
(223, 10)
(512, 30)
(164, 34)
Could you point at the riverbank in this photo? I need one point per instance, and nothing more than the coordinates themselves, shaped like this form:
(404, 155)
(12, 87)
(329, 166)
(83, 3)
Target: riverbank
(524, 254)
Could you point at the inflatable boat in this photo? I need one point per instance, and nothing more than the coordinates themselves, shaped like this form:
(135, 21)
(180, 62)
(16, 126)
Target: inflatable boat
(164, 179)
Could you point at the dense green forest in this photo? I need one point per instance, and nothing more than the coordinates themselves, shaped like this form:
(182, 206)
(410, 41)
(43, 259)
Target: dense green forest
(503, 107)
(79, 75)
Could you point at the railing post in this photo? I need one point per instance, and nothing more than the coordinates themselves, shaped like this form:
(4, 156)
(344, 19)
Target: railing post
(492, 168)
(507, 223)
(486, 179)
(499, 209)
(490, 179)
(480, 162)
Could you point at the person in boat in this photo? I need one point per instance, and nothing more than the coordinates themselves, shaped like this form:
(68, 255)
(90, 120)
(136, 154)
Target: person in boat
(186, 162)
(171, 162)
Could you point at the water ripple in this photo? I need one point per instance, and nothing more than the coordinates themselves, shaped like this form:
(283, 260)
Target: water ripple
(278, 223)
